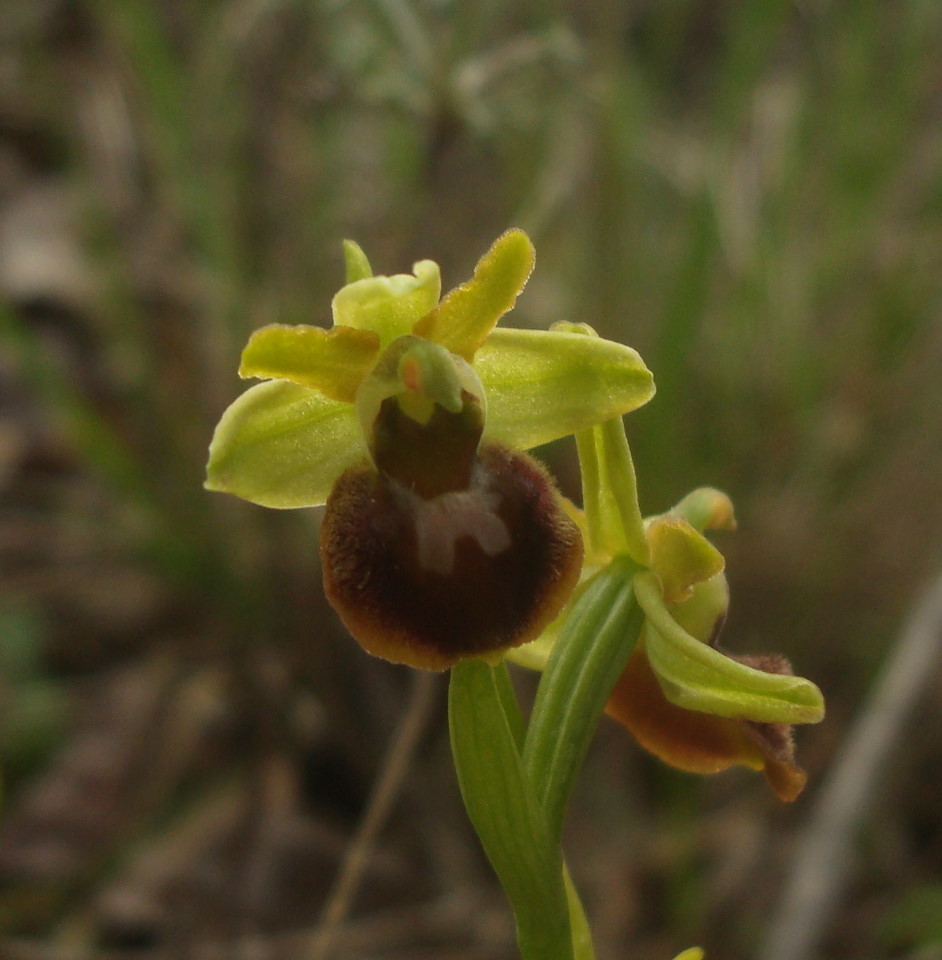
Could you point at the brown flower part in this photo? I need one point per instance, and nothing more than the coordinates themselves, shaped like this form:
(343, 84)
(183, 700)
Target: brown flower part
(701, 742)
(427, 573)
(776, 740)
(431, 458)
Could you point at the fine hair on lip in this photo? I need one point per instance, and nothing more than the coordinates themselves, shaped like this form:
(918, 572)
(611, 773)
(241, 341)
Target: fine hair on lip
(430, 580)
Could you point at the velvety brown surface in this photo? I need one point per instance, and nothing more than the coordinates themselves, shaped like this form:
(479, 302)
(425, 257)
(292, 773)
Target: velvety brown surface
(700, 742)
(399, 609)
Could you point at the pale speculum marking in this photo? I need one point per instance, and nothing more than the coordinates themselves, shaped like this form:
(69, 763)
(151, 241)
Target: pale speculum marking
(440, 522)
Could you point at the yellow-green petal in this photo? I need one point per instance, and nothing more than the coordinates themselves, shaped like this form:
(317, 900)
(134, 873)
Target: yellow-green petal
(542, 385)
(355, 261)
(334, 362)
(282, 445)
(467, 314)
(389, 306)
(681, 557)
(697, 677)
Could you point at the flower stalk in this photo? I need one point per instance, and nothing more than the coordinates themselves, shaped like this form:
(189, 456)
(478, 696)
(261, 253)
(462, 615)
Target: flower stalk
(504, 809)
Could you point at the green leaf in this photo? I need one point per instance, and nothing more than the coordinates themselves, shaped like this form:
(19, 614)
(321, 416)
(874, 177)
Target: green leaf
(283, 445)
(505, 811)
(697, 677)
(389, 306)
(543, 384)
(597, 638)
(334, 361)
(467, 314)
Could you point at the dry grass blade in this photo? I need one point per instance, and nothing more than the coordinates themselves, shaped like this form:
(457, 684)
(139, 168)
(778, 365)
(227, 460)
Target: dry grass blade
(385, 791)
(824, 854)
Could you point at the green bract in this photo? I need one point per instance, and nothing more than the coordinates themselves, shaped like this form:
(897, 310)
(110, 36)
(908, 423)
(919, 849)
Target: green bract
(284, 443)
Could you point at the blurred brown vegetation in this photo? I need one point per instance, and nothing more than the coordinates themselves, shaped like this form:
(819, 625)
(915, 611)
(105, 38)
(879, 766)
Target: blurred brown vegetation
(750, 193)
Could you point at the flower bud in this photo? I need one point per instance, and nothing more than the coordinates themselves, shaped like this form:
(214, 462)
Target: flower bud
(703, 613)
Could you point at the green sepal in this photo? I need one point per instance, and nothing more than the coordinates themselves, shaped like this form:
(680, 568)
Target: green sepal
(697, 677)
(389, 306)
(333, 361)
(543, 385)
(504, 809)
(468, 314)
(355, 262)
(282, 445)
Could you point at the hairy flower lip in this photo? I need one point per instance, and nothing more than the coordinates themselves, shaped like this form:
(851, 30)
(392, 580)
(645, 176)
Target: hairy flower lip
(699, 742)
(413, 591)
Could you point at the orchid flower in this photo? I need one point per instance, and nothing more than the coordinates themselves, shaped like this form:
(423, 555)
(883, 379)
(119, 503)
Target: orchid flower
(407, 417)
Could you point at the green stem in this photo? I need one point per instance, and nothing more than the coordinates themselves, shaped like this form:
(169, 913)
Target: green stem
(517, 802)
(582, 948)
(504, 810)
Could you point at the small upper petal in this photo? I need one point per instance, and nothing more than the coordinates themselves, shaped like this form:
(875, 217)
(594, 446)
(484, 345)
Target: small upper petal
(681, 557)
(389, 306)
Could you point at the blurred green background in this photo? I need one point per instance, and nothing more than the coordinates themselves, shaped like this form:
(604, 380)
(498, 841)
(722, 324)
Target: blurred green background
(747, 191)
